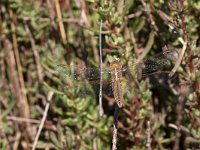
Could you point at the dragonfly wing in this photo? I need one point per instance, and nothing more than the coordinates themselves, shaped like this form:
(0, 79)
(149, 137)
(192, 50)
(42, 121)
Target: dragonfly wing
(158, 61)
(84, 77)
(76, 72)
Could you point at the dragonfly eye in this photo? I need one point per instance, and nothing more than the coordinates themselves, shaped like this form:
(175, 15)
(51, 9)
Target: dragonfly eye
(75, 76)
(172, 55)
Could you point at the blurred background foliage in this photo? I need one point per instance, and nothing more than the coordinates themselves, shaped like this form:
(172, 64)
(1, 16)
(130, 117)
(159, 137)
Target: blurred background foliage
(38, 35)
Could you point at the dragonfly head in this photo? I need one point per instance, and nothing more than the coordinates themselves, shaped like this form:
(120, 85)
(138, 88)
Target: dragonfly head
(115, 65)
(172, 55)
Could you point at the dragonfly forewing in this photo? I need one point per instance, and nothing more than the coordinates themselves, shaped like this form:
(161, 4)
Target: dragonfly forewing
(76, 72)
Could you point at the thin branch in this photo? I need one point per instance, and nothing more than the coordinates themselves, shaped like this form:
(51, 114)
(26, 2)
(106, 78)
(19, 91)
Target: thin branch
(114, 140)
(43, 19)
(16, 51)
(50, 95)
(148, 144)
(17, 139)
(61, 25)
(186, 38)
(20, 119)
(14, 79)
(21, 100)
(178, 62)
(169, 22)
(101, 111)
(35, 53)
(51, 12)
(185, 44)
(179, 112)
(155, 28)
(182, 16)
(147, 48)
(150, 16)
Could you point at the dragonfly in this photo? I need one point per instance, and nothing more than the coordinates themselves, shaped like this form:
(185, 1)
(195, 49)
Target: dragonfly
(115, 71)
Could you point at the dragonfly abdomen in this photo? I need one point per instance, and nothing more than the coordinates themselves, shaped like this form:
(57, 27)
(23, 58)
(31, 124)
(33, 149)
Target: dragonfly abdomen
(116, 78)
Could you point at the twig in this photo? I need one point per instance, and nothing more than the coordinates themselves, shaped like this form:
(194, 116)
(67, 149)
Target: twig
(17, 139)
(148, 144)
(182, 16)
(181, 128)
(147, 48)
(186, 38)
(43, 19)
(16, 51)
(178, 62)
(61, 25)
(1, 127)
(35, 53)
(168, 21)
(114, 140)
(185, 44)
(101, 111)
(21, 101)
(20, 119)
(163, 43)
(179, 110)
(10, 59)
(66, 20)
(51, 12)
(94, 141)
(150, 16)
(50, 95)
(96, 31)
(83, 15)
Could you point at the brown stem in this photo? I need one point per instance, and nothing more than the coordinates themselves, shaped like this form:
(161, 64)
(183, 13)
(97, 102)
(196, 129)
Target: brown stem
(61, 25)
(16, 90)
(51, 11)
(179, 110)
(16, 52)
(35, 53)
(185, 44)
